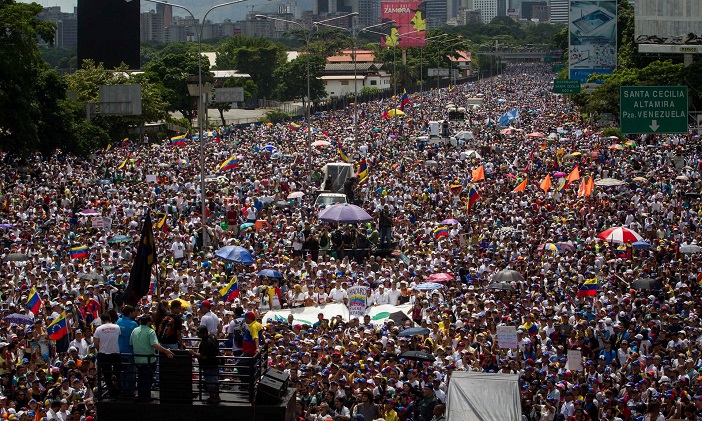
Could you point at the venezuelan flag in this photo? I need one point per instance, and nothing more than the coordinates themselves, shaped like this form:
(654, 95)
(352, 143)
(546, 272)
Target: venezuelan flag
(178, 140)
(342, 153)
(589, 288)
(108, 148)
(531, 328)
(405, 100)
(80, 252)
(229, 164)
(122, 164)
(473, 197)
(441, 231)
(363, 170)
(294, 126)
(231, 291)
(33, 301)
(58, 328)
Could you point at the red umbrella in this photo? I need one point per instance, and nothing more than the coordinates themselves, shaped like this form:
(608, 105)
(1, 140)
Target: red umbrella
(440, 277)
(620, 235)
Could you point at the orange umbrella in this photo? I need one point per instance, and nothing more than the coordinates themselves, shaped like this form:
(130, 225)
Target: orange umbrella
(260, 224)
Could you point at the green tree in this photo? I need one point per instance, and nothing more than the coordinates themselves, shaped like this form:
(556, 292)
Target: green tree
(86, 82)
(257, 57)
(173, 73)
(292, 79)
(21, 67)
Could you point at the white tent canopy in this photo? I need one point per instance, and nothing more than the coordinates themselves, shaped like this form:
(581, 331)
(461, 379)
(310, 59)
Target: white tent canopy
(474, 396)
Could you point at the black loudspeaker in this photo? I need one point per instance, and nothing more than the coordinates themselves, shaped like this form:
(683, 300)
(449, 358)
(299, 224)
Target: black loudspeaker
(108, 32)
(281, 376)
(175, 378)
(268, 388)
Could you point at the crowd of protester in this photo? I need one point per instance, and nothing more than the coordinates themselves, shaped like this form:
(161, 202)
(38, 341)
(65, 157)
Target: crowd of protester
(640, 347)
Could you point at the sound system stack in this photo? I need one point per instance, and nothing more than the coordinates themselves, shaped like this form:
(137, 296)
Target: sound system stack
(272, 384)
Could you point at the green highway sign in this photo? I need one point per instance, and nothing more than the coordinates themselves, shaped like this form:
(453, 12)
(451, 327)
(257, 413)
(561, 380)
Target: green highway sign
(566, 86)
(653, 109)
(557, 68)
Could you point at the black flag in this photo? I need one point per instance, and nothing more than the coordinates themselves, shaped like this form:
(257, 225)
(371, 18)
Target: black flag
(140, 276)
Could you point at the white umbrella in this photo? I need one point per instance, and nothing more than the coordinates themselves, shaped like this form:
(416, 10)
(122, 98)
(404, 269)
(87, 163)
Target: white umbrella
(690, 248)
(296, 195)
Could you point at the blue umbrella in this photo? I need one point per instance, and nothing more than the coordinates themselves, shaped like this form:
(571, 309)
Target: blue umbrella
(235, 254)
(641, 245)
(428, 286)
(270, 273)
(413, 331)
(270, 148)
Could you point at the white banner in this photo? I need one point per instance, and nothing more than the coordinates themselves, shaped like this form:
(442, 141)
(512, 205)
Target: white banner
(381, 313)
(507, 337)
(574, 360)
(357, 301)
(106, 223)
(97, 222)
(307, 315)
(150, 178)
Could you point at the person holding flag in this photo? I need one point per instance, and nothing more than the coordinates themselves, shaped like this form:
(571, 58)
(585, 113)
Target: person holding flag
(405, 100)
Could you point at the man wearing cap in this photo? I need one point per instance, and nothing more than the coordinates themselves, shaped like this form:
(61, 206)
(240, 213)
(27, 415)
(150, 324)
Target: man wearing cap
(208, 318)
(251, 344)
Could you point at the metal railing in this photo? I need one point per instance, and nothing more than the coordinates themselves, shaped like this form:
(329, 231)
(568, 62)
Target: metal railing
(180, 379)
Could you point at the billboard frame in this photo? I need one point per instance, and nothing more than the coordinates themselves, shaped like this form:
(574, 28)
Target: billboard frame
(592, 38)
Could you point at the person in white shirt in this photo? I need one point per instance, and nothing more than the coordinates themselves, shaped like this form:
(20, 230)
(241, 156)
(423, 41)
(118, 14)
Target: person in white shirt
(337, 294)
(394, 294)
(208, 318)
(106, 340)
(80, 344)
(381, 296)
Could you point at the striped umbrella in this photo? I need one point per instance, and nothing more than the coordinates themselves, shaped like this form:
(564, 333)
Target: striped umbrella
(549, 247)
(620, 235)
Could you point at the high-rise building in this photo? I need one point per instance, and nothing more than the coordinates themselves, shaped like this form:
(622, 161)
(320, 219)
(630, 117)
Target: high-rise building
(66, 35)
(437, 13)
(368, 12)
(559, 11)
(166, 12)
(151, 27)
(531, 8)
(488, 9)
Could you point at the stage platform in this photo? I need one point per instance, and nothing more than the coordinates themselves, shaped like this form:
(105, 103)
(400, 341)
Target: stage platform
(235, 408)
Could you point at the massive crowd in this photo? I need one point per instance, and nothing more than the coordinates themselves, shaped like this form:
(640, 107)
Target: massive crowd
(640, 347)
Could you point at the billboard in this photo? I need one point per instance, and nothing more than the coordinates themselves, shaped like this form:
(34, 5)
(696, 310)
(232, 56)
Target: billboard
(108, 32)
(409, 29)
(592, 38)
(667, 19)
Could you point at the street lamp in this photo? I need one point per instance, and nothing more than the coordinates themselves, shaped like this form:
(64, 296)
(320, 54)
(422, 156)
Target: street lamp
(421, 62)
(308, 32)
(354, 36)
(205, 239)
(456, 40)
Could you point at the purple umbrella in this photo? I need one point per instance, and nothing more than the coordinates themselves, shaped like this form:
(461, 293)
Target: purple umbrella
(6, 226)
(450, 221)
(560, 174)
(89, 212)
(566, 247)
(344, 213)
